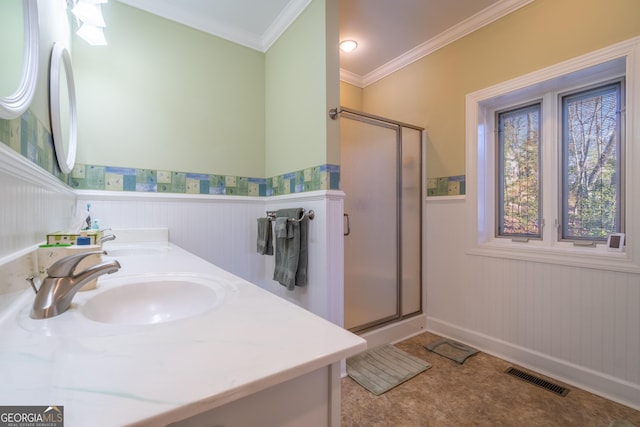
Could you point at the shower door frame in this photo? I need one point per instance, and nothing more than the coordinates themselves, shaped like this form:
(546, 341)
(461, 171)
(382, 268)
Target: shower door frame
(396, 126)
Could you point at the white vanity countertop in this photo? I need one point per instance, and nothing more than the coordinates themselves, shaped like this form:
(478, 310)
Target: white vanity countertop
(114, 375)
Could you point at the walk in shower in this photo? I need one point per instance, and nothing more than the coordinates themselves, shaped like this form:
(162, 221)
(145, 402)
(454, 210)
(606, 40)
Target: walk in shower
(381, 175)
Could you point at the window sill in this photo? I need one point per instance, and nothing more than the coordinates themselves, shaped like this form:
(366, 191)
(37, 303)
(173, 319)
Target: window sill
(598, 257)
(444, 198)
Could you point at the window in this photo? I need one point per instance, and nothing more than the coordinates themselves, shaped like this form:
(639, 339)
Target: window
(519, 177)
(549, 155)
(591, 196)
(592, 179)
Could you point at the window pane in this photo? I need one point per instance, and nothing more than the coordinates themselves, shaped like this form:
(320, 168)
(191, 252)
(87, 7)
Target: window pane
(519, 180)
(591, 146)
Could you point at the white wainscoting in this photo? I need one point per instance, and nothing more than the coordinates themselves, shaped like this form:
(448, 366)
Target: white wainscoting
(216, 228)
(324, 294)
(32, 203)
(223, 231)
(579, 325)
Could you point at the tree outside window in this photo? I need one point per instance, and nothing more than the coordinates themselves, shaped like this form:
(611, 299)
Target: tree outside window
(519, 180)
(591, 164)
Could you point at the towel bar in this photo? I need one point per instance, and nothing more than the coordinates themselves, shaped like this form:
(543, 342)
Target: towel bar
(311, 214)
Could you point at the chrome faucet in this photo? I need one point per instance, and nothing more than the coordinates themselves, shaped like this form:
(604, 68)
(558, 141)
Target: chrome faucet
(107, 238)
(61, 285)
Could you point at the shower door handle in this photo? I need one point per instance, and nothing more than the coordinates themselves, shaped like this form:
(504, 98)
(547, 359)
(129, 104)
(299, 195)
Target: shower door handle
(346, 215)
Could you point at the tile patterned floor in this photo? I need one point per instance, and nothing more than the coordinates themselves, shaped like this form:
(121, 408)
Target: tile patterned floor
(477, 393)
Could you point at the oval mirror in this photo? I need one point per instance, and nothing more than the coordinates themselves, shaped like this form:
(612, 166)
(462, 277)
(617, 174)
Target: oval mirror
(62, 104)
(19, 53)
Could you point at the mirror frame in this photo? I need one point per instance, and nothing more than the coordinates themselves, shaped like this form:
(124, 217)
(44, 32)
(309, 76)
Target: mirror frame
(60, 57)
(17, 103)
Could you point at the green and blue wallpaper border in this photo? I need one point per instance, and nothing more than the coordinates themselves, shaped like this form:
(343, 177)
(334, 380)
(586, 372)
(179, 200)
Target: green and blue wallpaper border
(28, 136)
(446, 186)
(110, 178)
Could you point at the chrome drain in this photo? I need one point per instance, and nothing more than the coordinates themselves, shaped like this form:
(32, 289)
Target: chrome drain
(549, 386)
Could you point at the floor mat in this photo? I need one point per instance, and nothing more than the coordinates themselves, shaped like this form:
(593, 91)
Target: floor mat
(382, 368)
(452, 350)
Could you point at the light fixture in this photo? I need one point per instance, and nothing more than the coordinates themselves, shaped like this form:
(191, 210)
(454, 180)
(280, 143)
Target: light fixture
(88, 15)
(348, 45)
(92, 35)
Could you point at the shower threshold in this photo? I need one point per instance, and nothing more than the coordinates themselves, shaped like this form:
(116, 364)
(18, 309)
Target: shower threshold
(396, 331)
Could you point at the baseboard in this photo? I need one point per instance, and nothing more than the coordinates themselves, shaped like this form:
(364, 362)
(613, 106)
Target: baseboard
(598, 383)
(395, 332)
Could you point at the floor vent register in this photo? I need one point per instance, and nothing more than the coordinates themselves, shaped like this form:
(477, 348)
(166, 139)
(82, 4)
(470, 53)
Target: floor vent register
(549, 386)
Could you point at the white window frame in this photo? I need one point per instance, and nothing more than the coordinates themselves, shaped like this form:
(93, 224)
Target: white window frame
(621, 59)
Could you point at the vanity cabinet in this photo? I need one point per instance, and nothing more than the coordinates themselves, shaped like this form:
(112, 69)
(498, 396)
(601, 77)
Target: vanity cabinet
(309, 400)
(251, 359)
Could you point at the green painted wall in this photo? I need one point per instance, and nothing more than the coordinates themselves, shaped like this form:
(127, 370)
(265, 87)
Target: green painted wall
(165, 96)
(302, 83)
(431, 92)
(11, 28)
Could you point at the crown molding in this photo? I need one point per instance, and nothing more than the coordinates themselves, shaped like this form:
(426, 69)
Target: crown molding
(173, 12)
(259, 42)
(289, 14)
(468, 26)
(351, 78)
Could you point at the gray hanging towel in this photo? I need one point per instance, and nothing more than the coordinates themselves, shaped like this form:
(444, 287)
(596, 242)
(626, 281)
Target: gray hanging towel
(282, 228)
(265, 237)
(303, 257)
(291, 248)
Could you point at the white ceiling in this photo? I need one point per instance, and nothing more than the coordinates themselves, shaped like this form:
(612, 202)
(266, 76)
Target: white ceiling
(390, 33)
(252, 23)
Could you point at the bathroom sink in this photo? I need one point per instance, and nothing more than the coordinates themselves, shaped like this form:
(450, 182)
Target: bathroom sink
(149, 300)
(125, 250)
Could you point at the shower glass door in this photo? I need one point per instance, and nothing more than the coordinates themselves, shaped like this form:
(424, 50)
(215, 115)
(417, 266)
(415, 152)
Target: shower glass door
(381, 175)
(369, 176)
(411, 222)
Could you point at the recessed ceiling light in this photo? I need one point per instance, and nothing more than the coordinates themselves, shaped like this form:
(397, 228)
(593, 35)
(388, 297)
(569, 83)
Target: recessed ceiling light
(348, 45)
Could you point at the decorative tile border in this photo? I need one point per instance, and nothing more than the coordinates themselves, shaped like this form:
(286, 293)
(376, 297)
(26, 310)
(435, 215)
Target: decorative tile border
(324, 177)
(108, 178)
(446, 186)
(29, 137)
